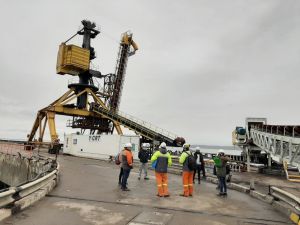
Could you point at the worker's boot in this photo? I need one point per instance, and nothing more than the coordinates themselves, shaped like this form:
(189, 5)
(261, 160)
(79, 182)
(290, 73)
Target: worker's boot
(125, 189)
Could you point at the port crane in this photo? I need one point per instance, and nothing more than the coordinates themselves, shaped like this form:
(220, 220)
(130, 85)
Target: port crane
(93, 108)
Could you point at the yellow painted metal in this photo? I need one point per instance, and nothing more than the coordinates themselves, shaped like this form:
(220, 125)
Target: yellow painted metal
(118, 128)
(134, 45)
(127, 39)
(292, 178)
(43, 130)
(234, 137)
(295, 218)
(40, 126)
(70, 112)
(51, 124)
(65, 96)
(58, 107)
(98, 100)
(40, 115)
(73, 96)
(72, 60)
(60, 99)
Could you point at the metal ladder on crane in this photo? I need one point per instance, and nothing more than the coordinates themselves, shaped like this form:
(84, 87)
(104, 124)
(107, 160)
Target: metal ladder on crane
(115, 87)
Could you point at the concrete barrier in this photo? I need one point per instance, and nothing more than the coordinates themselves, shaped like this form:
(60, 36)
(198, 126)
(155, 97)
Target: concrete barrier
(16, 169)
(30, 179)
(265, 198)
(27, 201)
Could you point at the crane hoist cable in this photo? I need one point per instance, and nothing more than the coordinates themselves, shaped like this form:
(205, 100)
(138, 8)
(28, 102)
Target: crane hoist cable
(73, 36)
(110, 37)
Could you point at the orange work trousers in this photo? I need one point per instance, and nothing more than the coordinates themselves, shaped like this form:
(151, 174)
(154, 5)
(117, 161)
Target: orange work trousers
(187, 179)
(162, 184)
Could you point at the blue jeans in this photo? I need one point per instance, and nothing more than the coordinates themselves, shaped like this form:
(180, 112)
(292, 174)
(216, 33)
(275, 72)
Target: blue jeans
(222, 184)
(126, 173)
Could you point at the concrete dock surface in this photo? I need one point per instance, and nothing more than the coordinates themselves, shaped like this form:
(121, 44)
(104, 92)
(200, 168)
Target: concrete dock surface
(88, 193)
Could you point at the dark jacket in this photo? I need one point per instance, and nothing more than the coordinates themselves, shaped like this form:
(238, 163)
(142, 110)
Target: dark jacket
(221, 171)
(143, 156)
(199, 154)
(163, 160)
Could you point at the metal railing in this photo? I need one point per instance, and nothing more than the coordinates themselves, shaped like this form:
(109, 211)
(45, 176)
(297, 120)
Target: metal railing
(145, 129)
(10, 195)
(287, 130)
(285, 196)
(148, 125)
(281, 147)
(16, 193)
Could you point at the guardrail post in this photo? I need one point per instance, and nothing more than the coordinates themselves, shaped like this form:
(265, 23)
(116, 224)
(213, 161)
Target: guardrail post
(248, 159)
(269, 160)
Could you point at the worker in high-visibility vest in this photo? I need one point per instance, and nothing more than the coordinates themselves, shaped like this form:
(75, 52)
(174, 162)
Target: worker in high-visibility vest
(186, 159)
(161, 160)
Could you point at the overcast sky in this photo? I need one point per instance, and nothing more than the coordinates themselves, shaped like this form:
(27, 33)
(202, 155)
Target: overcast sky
(202, 66)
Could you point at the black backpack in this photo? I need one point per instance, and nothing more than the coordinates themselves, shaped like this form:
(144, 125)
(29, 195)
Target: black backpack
(143, 156)
(191, 162)
(228, 169)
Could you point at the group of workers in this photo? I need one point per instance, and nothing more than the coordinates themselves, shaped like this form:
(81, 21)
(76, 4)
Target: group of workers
(161, 160)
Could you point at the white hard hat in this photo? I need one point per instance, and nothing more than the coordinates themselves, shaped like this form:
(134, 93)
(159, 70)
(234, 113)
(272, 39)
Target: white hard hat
(221, 151)
(163, 145)
(146, 145)
(198, 148)
(128, 145)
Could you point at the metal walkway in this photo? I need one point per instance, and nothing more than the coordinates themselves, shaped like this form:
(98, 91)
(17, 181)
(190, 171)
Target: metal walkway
(141, 127)
(281, 142)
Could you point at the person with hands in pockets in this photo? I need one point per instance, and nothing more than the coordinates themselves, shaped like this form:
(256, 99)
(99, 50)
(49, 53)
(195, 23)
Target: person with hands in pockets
(162, 160)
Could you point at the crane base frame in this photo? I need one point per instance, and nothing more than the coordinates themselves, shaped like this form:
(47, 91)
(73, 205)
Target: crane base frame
(61, 107)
